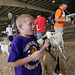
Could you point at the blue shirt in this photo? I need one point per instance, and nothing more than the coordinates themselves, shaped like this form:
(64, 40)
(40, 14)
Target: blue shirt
(21, 48)
(74, 20)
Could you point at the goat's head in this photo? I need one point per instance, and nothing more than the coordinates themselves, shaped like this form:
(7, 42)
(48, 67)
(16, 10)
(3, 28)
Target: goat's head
(48, 34)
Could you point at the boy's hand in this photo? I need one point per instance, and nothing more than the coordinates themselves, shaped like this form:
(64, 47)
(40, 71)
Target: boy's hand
(47, 43)
(37, 55)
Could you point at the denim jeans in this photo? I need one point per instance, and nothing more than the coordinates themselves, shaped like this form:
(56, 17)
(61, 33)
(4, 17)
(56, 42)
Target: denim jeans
(39, 35)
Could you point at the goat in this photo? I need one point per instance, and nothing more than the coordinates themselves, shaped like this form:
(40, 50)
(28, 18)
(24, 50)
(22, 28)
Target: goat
(55, 40)
(5, 46)
(53, 66)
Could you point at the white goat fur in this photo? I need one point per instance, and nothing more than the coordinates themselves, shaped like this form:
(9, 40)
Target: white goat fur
(5, 46)
(55, 39)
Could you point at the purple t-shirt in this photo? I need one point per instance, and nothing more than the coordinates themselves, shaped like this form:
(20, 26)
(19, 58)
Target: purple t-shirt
(21, 48)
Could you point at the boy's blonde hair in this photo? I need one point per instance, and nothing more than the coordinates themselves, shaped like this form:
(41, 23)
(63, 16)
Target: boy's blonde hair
(22, 19)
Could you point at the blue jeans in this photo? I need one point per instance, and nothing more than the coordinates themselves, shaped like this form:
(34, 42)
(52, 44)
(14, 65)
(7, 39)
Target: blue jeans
(39, 35)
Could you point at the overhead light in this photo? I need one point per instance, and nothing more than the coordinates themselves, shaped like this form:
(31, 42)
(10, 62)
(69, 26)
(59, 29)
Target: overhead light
(10, 15)
(53, 1)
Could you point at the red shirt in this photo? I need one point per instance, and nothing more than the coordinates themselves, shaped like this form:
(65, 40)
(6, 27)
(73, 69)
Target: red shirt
(40, 22)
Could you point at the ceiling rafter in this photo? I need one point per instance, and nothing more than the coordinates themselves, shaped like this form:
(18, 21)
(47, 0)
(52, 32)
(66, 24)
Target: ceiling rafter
(19, 11)
(43, 4)
(3, 9)
(16, 9)
(1, 24)
(10, 11)
(36, 2)
(31, 1)
(25, 1)
(23, 5)
(39, 3)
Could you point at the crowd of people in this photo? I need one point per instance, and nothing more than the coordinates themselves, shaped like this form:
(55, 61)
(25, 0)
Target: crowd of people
(24, 54)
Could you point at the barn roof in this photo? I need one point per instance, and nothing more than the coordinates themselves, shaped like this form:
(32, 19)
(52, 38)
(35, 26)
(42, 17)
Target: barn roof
(17, 7)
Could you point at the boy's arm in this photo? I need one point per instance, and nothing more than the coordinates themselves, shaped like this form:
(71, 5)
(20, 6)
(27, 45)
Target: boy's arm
(21, 62)
(35, 56)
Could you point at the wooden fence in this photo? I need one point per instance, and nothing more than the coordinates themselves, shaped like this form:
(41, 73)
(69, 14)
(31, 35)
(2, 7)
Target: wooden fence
(70, 28)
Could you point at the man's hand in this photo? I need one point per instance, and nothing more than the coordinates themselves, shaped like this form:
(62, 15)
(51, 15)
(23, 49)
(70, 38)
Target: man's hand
(68, 20)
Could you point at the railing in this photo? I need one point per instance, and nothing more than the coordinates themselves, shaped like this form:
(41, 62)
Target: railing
(70, 28)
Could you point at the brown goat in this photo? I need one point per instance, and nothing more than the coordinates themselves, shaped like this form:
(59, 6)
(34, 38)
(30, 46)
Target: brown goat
(52, 65)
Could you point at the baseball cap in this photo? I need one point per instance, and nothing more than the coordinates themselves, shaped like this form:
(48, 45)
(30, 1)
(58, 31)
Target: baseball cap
(37, 14)
(66, 2)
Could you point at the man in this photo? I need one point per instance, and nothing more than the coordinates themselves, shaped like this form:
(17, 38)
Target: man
(40, 24)
(9, 32)
(60, 17)
(74, 20)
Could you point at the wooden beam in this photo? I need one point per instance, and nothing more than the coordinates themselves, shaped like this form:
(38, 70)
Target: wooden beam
(3, 9)
(4, 18)
(5, 13)
(14, 3)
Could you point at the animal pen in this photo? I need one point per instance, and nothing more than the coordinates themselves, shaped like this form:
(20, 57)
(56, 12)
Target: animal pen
(7, 69)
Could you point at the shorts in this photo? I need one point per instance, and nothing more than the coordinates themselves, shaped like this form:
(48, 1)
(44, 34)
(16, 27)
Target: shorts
(39, 35)
(10, 38)
(58, 29)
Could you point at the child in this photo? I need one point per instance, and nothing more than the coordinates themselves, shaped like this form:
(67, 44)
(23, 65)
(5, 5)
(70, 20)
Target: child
(24, 60)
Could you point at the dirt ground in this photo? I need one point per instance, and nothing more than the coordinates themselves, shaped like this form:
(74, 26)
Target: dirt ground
(6, 69)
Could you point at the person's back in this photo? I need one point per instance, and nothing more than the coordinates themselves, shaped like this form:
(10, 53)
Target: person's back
(74, 20)
(40, 21)
(40, 24)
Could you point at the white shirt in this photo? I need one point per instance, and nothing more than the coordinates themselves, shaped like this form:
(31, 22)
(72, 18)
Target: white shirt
(9, 30)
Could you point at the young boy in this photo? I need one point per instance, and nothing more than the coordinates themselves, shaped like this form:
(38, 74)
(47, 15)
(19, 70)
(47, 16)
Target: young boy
(24, 53)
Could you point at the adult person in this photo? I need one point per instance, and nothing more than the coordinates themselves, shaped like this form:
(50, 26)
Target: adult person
(9, 32)
(74, 20)
(60, 17)
(24, 54)
(40, 24)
